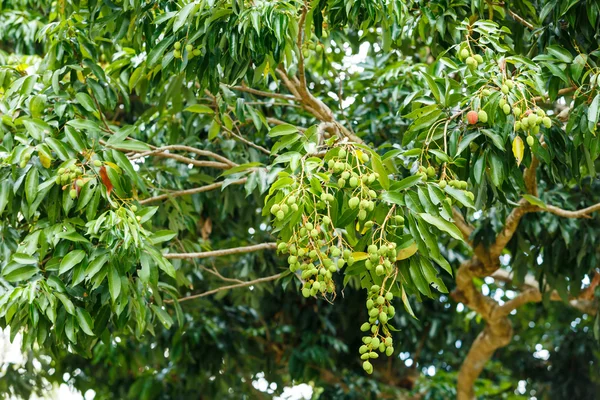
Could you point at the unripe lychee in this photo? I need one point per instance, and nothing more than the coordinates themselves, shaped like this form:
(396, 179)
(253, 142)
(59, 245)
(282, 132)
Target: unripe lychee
(483, 117)
(530, 141)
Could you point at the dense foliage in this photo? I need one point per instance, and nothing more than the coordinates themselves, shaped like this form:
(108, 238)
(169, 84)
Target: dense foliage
(185, 187)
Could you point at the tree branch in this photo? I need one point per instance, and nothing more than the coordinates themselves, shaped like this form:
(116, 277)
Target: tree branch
(462, 225)
(204, 153)
(559, 93)
(200, 189)
(223, 252)
(520, 19)
(583, 213)
(197, 163)
(246, 89)
(513, 219)
(222, 288)
(244, 140)
(301, 74)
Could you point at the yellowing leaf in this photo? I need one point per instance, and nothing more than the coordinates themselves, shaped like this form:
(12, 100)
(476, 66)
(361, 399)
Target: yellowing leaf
(113, 166)
(518, 149)
(45, 158)
(80, 77)
(405, 253)
(359, 155)
(360, 255)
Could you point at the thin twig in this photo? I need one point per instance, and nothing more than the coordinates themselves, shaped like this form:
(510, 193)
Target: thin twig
(224, 252)
(190, 149)
(200, 189)
(520, 19)
(222, 288)
(246, 89)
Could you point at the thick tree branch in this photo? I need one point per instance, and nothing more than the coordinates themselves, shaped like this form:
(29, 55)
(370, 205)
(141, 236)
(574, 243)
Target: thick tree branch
(222, 288)
(513, 219)
(301, 73)
(462, 225)
(223, 252)
(200, 189)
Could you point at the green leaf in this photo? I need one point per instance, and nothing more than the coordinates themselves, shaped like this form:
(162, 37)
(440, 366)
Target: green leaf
(443, 225)
(496, 139)
(560, 53)
(95, 265)
(31, 185)
(162, 236)
(241, 168)
(466, 140)
(71, 260)
(406, 303)
(393, 197)
(199, 109)
(593, 113)
(459, 196)
(183, 15)
(417, 276)
(157, 52)
(379, 168)
(74, 138)
(86, 101)
(66, 302)
(85, 321)
(435, 90)
(405, 183)
(21, 273)
(162, 316)
(4, 193)
(131, 145)
(282, 130)
(534, 200)
(114, 283)
(440, 154)
(24, 259)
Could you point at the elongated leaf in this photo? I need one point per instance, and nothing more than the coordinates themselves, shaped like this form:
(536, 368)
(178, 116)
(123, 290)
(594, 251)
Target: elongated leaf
(162, 236)
(71, 260)
(86, 101)
(518, 149)
(199, 109)
(114, 283)
(460, 196)
(162, 316)
(534, 200)
(443, 225)
(282, 130)
(24, 259)
(85, 321)
(182, 16)
(21, 273)
(157, 52)
(66, 302)
(31, 185)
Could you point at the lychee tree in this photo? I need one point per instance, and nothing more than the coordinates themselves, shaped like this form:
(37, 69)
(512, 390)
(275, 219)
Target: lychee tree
(156, 154)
